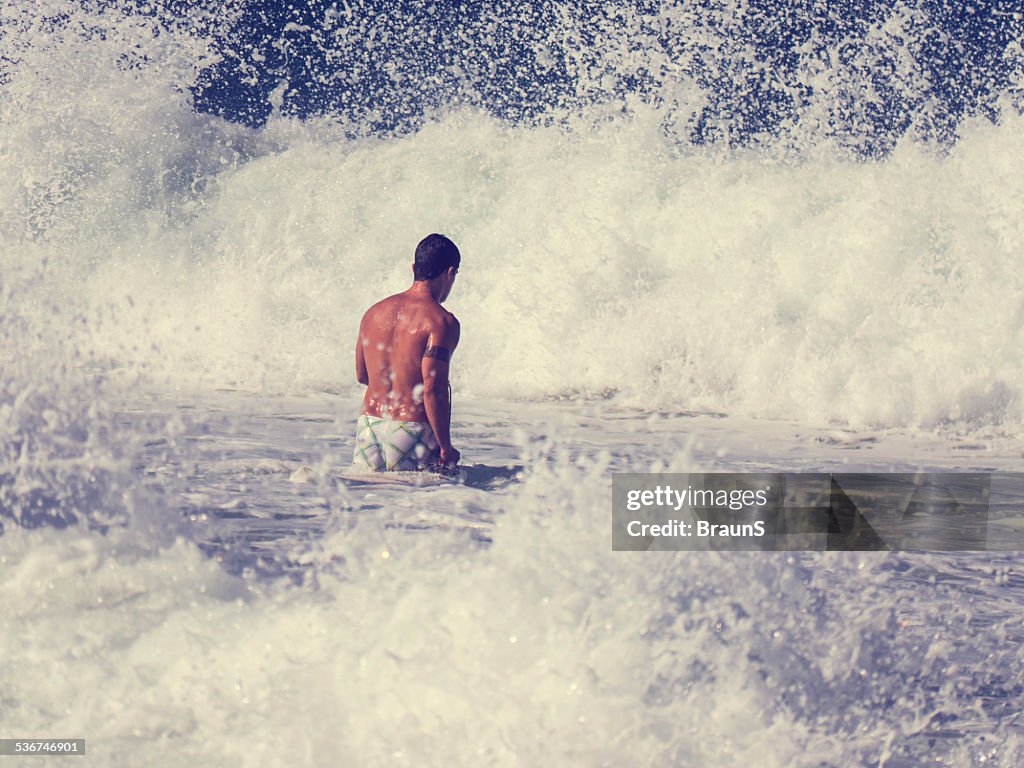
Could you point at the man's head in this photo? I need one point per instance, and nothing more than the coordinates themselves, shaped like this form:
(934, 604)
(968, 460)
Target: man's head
(434, 256)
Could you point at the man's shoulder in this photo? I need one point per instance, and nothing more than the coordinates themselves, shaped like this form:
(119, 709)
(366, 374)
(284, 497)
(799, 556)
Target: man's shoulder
(444, 322)
(449, 318)
(448, 328)
(436, 313)
(385, 305)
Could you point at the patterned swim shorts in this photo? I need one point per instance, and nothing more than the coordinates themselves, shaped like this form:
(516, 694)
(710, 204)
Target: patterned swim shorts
(382, 444)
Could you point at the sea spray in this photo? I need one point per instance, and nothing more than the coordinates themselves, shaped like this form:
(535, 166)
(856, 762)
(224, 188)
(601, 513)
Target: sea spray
(656, 191)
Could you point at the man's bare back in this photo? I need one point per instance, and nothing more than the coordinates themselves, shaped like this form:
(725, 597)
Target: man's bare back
(393, 336)
(402, 354)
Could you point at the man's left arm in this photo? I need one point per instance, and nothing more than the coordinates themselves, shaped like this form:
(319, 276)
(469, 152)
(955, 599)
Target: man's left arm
(436, 395)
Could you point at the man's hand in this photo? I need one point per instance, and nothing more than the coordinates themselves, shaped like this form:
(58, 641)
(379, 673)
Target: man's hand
(450, 457)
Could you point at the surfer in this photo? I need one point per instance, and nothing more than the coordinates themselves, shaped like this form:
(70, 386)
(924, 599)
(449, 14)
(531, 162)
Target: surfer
(402, 355)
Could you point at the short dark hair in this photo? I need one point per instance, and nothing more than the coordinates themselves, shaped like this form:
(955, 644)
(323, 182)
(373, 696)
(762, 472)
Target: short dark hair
(434, 255)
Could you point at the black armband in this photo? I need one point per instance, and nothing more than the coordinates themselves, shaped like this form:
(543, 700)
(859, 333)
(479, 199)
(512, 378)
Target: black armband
(438, 353)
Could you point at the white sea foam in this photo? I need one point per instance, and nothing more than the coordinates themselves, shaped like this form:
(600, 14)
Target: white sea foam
(600, 257)
(880, 294)
(404, 645)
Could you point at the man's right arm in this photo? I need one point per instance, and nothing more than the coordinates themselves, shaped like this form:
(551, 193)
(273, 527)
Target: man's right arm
(362, 376)
(436, 398)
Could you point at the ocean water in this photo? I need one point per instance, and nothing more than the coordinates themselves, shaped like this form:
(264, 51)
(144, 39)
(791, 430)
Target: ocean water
(696, 236)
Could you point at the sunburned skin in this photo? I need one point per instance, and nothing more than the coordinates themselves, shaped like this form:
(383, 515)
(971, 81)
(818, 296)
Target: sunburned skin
(404, 383)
